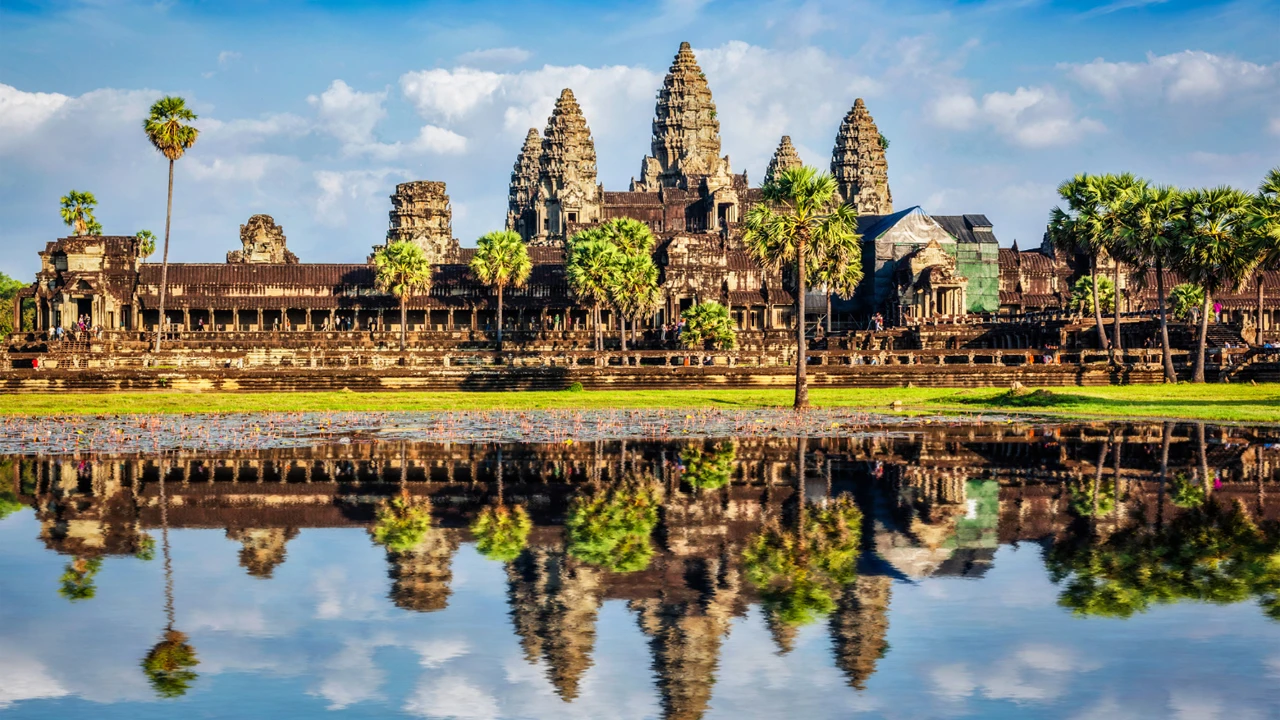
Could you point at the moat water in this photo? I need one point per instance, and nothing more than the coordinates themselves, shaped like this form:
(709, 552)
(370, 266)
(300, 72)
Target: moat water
(660, 565)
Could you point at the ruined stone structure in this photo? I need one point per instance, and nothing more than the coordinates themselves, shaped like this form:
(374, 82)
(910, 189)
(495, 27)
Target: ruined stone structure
(858, 163)
(420, 213)
(566, 194)
(686, 133)
(263, 242)
(784, 158)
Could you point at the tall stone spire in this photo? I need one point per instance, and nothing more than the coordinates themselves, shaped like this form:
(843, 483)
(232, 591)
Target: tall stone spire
(686, 133)
(421, 214)
(858, 163)
(524, 183)
(784, 158)
(567, 188)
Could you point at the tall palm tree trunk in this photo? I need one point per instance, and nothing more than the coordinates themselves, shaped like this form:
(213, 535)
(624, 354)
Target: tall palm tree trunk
(802, 381)
(164, 259)
(1117, 348)
(1201, 450)
(404, 320)
(1097, 305)
(622, 331)
(499, 318)
(1166, 355)
(1166, 431)
(1198, 374)
(1257, 339)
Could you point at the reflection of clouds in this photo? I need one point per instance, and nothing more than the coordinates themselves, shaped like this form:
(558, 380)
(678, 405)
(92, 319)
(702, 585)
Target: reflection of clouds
(1032, 673)
(249, 621)
(434, 653)
(338, 598)
(1273, 666)
(25, 679)
(1106, 708)
(953, 682)
(452, 696)
(1195, 705)
(350, 677)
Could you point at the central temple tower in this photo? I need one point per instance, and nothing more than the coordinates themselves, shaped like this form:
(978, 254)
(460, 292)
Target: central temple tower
(686, 133)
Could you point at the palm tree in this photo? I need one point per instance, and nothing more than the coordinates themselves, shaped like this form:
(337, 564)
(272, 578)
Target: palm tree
(146, 244)
(501, 259)
(1117, 192)
(77, 212)
(802, 222)
(1147, 239)
(590, 267)
(1214, 232)
(170, 664)
(170, 137)
(1077, 230)
(401, 269)
(630, 236)
(1266, 233)
(633, 289)
(708, 322)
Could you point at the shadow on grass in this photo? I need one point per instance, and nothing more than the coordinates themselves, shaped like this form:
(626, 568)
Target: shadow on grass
(1028, 399)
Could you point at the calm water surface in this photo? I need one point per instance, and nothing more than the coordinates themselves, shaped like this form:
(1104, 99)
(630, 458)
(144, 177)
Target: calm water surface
(1001, 570)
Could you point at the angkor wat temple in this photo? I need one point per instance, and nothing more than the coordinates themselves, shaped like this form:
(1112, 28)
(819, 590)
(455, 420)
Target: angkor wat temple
(921, 270)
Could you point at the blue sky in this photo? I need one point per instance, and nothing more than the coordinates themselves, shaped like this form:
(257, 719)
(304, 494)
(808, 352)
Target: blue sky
(312, 111)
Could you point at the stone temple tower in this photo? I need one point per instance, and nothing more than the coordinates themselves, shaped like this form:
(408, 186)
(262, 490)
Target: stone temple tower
(784, 158)
(567, 193)
(859, 165)
(524, 183)
(420, 213)
(686, 133)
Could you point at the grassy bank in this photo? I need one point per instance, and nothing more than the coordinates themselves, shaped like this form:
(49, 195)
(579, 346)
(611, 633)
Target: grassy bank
(1237, 403)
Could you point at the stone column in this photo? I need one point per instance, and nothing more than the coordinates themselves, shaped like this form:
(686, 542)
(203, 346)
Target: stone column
(259, 326)
(186, 318)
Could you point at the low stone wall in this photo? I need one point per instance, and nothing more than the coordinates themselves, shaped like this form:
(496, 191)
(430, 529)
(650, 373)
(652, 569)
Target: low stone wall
(558, 378)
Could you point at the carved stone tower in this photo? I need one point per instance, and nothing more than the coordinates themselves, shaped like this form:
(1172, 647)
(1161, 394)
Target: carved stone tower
(686, 133)
(784, 158)
(567, 193)
(420, 213)
(521, 216)
(858, 163)
(263, 242)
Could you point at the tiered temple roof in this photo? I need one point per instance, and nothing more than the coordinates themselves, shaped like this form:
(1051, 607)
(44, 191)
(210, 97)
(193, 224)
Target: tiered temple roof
(859, 165)
(686, 133)
(784, 158)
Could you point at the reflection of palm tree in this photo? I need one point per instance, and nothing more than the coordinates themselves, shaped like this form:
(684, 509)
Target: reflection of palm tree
(797, 571)
(612, 527)
(501, 532)
(77, 581)
(169, 665)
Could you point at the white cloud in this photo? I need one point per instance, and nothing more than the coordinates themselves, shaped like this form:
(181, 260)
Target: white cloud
(1195, 705)
(1187, 76)
(339, 189)
(1119, 5)
(22, 112)
(347, 114)
(254, 130)
(1275, 125)
(349, 677)
(449, 94)
(452, 697)
(433, 654)
(26, 679)
(226, 57)
(491, 57)
(1033, 117)
(953, 682)
(238, 168)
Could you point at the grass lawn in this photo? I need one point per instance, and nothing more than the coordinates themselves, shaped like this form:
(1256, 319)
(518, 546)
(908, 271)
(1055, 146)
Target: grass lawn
(1238, 403)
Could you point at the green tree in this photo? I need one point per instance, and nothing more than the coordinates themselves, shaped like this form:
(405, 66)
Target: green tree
(166, 130)
(1266, 234)
(633, 289)
(401, 268)
(632, 237)
(590, 267)
(502, 532)
(708, 469)
(612, 527)
(1148, 238)
(708, 323)
(168, 666)
(501, 260)
(9, 289)
(1082, 294)
(1081, 230)
(1214, 230)
(146, 244)
(77, 212)
(802, 225)
(77, 581)
(1184, 299)
(402, 523)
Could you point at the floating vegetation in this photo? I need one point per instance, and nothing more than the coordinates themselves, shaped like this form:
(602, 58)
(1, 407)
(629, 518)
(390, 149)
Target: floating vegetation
(403, 523)
(502, 532)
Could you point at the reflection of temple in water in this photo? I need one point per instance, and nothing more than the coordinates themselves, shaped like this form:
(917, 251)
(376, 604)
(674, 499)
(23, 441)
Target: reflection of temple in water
(935, 501)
